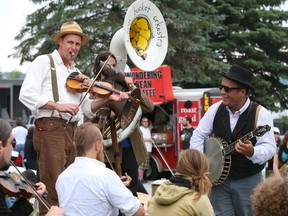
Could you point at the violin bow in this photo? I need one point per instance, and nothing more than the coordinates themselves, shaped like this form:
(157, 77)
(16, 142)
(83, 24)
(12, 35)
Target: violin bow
(44, 202)
(162, 156)
(92, 84)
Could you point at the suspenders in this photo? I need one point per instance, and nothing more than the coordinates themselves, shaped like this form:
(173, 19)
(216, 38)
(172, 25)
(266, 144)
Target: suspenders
(53, 79)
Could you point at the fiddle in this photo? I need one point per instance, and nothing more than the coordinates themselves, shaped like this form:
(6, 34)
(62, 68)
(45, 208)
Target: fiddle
(27, 189)
(78, 83)
(13, 185)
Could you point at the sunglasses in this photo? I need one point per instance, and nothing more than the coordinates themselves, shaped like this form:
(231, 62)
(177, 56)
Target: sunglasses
(13, 142)
(228, 89)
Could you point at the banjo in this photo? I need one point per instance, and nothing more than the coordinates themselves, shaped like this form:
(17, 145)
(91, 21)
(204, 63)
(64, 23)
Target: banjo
(218, 153)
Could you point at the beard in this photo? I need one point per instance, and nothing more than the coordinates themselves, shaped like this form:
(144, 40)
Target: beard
(4, 166)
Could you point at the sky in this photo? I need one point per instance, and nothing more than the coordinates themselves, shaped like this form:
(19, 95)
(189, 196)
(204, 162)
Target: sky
(12, 18)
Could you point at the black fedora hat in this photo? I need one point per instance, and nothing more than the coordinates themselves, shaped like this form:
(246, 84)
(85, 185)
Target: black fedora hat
(240, 75)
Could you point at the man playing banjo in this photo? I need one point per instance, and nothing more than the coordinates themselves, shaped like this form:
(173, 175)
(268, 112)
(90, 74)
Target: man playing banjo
(228, 120)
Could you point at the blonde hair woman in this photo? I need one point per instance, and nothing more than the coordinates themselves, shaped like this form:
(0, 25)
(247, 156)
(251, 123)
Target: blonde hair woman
(185, 193)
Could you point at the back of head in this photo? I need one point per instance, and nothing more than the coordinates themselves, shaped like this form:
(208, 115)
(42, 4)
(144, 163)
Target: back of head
(194, 164)
(271, 197)
(31, 130)
(85, 136)
(5, 130)
(19, 122)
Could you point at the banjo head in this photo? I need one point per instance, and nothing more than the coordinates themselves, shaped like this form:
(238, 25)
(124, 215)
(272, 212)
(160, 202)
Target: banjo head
(213, 151)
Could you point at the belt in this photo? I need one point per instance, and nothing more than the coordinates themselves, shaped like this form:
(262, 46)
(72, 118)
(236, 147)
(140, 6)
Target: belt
(55, 119)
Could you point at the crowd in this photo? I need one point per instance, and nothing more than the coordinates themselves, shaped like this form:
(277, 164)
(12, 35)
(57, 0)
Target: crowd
(70, 158)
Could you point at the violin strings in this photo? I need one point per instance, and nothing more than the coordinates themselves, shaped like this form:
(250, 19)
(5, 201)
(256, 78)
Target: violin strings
(89, 88)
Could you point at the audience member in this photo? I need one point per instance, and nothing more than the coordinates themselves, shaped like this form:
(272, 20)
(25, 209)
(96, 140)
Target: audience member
(185, 193)
(20, 132)
(29, 150)
(280, 161)
(146, 133)
(270, 197)
(21, 207)
(87, 187)
(187, 132)
(269, 165)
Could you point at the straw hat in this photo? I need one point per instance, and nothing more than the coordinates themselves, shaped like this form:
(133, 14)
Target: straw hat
(240, 75)
(71, 27)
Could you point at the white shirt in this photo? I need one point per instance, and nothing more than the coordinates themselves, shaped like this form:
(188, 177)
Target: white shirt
(146, 133)
(88, 188)
(265, 146)
(20, 134)
(36, 89)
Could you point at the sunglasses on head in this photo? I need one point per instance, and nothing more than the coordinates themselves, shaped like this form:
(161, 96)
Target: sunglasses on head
(228, 89)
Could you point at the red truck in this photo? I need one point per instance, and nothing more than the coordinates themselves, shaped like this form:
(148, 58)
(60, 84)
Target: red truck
(171, 107)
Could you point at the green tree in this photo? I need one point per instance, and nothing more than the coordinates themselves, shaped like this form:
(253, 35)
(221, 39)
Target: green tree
(253, 36)
(245, 32)
(15, 74)
(99, 20)
(188, 23)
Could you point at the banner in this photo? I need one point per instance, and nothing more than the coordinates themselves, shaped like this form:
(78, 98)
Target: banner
(156, 84)
(188, 108)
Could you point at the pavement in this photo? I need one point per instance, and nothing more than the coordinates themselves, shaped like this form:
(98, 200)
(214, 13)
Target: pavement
(148, 187)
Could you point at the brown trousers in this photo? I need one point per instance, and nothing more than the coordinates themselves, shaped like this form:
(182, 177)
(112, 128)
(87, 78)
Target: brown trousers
(55, 151)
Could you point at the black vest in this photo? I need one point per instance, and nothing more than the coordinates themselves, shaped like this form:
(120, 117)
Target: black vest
(240, 166)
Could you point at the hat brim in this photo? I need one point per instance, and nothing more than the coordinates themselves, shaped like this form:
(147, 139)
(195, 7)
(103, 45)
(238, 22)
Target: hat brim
(238, 81)
(85, 38)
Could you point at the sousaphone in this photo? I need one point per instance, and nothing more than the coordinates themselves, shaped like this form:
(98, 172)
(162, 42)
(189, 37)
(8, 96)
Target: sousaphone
(144, 39)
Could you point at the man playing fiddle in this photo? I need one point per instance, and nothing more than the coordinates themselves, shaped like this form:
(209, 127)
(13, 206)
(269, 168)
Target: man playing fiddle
(21, 206)
(56, 110)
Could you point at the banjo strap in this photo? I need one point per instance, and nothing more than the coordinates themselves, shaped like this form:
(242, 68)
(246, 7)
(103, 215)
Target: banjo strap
(247, 115)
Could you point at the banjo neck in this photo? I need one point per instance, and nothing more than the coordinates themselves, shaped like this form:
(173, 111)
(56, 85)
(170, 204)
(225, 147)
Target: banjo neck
(259, 131)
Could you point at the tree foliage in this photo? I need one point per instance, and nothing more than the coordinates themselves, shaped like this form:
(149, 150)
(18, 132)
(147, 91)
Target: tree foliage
(253, 36)
(205, 37)
(188, 24)
(15, 74)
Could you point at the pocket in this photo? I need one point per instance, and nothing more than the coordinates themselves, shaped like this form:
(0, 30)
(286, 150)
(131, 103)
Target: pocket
(48, 125)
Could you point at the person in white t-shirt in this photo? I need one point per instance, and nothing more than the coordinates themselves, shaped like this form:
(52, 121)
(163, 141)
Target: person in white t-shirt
(146, 133)
(20, 132)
